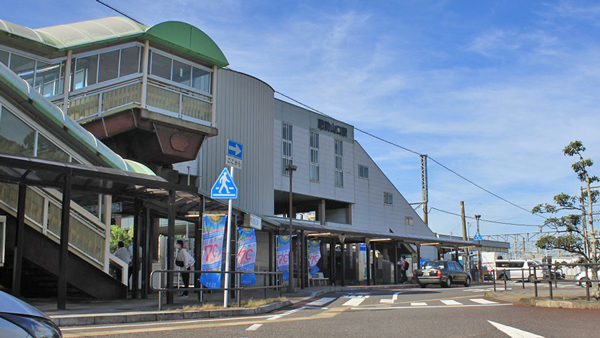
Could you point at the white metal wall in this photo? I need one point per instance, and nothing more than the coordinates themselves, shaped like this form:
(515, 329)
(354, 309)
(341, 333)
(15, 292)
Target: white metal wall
(245, 114)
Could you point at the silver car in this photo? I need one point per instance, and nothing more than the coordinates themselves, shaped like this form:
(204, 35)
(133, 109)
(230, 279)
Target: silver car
(21, 320)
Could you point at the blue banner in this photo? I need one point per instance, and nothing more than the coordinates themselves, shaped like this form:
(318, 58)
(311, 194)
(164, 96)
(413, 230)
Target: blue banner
(314, 254)
(213, 235)
(246, 255)
(283, 256)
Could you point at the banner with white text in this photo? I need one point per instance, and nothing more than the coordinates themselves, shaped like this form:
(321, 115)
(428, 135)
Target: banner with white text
(283, 256)
(314, 254)
(213, 235)
(246, 255)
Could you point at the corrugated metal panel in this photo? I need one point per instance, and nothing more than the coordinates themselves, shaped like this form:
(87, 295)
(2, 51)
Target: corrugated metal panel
(245, 114)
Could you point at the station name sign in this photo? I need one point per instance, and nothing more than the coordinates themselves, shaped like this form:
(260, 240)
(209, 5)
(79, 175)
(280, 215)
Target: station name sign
(332, 128)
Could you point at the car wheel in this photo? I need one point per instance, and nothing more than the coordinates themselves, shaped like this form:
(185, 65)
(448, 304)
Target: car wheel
(422, 285)
(467, 282)
(583, 281)
(531, 279)
(447, 283)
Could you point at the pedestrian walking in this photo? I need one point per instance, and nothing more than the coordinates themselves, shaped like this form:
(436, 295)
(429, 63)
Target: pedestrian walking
(185, 261)
(403, 266)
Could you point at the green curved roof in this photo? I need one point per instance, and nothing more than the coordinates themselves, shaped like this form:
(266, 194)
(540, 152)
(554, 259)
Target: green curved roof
(74, 129)
(173, 34)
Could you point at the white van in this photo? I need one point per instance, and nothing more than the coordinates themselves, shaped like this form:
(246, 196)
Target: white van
(518, 269)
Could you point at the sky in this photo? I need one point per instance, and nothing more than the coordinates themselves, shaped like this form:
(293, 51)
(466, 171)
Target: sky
(492, 90)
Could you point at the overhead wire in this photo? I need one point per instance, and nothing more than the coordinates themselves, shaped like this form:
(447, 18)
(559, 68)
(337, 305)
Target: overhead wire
(486, 220)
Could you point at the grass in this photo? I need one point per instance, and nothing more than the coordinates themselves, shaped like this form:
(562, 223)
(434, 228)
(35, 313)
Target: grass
(249, 303)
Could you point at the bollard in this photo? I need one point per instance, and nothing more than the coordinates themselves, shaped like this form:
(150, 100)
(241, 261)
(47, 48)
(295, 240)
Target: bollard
(587, 285)
(494, 276)
(523, 277)
(504, 275)
(238, 292)
(265, 284)
(535, 282)
(159, 300)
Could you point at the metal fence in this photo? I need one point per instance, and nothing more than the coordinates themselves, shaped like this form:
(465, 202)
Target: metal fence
(271, 280)
(551, 275)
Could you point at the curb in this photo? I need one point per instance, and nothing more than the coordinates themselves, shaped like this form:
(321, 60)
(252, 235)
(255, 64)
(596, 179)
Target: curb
(137, 317)
(549, 303)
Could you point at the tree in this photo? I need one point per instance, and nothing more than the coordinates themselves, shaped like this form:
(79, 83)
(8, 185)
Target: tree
(575, 231)
(118, 234)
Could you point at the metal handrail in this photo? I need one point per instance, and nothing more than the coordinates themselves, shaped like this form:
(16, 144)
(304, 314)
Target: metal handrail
(238, 288)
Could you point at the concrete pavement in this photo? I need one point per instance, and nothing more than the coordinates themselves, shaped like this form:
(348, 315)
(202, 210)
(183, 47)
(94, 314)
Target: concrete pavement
(78, 313)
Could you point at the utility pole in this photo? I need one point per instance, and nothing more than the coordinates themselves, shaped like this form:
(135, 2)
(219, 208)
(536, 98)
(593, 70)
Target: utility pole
(586, 246)
(477, 217)
(464, 231)
(424, 187)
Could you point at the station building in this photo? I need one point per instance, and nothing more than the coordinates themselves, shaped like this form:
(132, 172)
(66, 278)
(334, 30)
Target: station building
(139, 130)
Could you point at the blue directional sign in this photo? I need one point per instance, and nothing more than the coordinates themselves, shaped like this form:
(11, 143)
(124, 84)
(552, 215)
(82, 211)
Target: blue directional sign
(224, 187)
(234, 149)
(477, 236)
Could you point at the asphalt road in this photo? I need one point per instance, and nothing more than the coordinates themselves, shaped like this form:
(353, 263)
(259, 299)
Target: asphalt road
(430, 312)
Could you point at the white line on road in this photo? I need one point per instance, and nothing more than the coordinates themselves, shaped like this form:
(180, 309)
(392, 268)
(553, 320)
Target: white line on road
(450, 302)
(514, 332)
(482, 301)
(418, 304)
(390, 301)
(254, 327)
(321, 302)
(426, 306)
(286, 313)
(355, 301)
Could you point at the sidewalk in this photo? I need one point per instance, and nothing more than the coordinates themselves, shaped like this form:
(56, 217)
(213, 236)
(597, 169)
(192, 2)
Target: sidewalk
(146, 310)
(567, 295)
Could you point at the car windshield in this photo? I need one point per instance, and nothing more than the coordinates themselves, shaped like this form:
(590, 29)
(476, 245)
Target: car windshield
(433, 265)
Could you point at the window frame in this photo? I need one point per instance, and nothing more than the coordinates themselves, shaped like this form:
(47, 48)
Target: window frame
(388, 198)
(314, 145)
(362, 169)
(287, 142)
(184, 61)
(338, 149)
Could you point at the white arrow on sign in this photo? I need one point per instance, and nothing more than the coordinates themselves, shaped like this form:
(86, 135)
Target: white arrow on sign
(513, 332)
(236, 149)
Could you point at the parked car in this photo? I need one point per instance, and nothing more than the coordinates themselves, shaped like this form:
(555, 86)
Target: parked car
(444, 273)
(21, 320)
(582, 278)
(519, 269)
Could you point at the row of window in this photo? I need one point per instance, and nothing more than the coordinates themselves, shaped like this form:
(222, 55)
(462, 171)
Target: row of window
(17, 137)
(47, 78)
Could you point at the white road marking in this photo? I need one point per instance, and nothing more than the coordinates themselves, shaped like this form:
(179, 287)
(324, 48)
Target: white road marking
(390, 301)
(321, 302)
(254, 327)
(482, 301)
(450, 302)
(355, 301)
(418, 304)
(514, 332)
(427, 306)
(286, 313)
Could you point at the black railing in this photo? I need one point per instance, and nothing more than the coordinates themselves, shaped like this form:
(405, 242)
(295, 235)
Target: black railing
(271, 280)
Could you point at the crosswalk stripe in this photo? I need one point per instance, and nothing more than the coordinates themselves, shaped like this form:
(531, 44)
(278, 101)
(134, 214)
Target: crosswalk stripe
(450, 302)
(254, 327)
(355, 301)
(321, 302)
(482, 301)
(418, 304)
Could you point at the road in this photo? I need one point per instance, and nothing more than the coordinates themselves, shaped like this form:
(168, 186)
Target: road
(429, 312)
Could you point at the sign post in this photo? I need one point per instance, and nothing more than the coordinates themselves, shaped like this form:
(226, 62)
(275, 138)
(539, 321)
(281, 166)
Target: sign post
(225, 188)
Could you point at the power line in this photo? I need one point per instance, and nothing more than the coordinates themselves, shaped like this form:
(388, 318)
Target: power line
(486, 220)
(118, 11)
(414, 152)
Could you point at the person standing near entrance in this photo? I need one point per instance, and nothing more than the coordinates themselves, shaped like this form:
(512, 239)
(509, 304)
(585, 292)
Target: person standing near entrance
(403, 266)
(124, 255)
(185, 261)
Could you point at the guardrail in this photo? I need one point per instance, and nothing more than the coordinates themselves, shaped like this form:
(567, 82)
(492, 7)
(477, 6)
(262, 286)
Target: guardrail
(551, 276)
(274, 281)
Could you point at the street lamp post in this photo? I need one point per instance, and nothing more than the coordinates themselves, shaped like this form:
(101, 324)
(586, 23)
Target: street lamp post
(480, 272)
(291, 288)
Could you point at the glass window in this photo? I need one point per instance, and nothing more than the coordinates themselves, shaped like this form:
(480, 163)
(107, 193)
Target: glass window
(109, 66)
(363, 171)
(314, 157)
(15, 136)
(388, 199)
(130, 61)
(161, 66)
(286, 148)
(201, 79)
(339, 170)
(182, 73)
(49, 151)
(408, 220)
(48, 79)
(23, 66)
(86, 70)
(4, 57)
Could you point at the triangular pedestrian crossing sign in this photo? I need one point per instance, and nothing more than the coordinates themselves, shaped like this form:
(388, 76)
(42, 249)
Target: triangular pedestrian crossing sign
(224, 187)
(477, 236)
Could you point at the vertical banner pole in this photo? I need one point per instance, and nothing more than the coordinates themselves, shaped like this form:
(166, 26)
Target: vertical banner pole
(227, 250)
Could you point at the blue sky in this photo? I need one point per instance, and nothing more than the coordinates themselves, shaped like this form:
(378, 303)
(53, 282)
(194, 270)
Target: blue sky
(493, 90)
